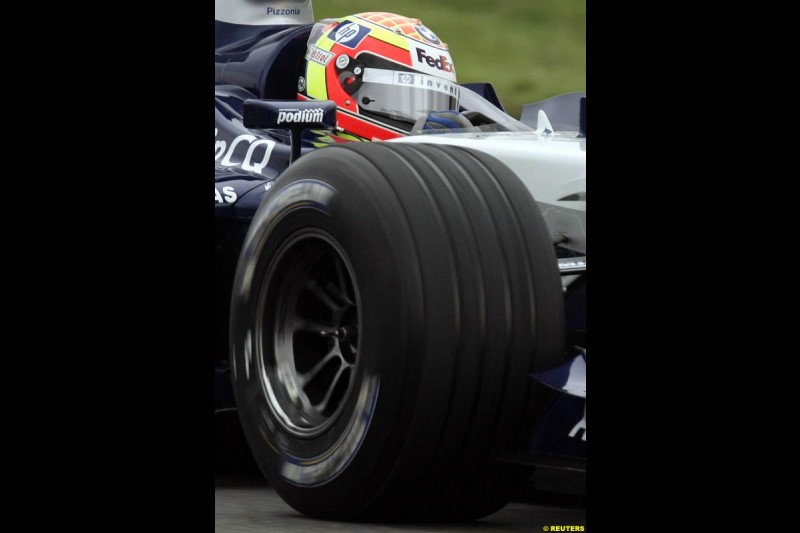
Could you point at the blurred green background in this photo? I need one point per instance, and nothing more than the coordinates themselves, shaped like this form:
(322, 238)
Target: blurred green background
(528, 49)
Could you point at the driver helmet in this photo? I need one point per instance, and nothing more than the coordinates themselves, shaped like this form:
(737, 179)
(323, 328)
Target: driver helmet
(384, 71)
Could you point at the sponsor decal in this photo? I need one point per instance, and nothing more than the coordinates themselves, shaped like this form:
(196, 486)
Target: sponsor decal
(440, 63)
(278, 11)
(426, 82)
(427, 34)
(246, 151)
(433, 61)
(348, 34)
(318, 55)
(298, 115)
(405, 79)
(226, 196)
(342, 61)
(301, 84)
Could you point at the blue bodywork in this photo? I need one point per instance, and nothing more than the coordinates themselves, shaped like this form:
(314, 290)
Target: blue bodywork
(263, 62)
(250, 62)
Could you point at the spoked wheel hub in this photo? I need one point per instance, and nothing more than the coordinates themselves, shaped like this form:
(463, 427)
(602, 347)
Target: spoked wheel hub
(309, 333)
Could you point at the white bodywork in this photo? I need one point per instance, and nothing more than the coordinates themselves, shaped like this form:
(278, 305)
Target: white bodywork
(264, 12)
(551, 165)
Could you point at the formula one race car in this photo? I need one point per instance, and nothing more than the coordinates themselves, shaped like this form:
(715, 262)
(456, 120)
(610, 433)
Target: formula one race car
(400, 268)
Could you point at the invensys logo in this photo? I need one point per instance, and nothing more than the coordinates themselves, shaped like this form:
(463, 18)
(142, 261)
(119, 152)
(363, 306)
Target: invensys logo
(426, 82)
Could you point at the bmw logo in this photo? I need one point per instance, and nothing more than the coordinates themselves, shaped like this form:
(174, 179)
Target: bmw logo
(427, 34)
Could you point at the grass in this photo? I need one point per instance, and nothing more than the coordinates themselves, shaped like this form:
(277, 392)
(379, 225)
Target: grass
(528, 49)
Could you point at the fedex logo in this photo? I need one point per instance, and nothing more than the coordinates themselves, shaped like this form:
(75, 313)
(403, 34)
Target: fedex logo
(433, 61)
(441, 63)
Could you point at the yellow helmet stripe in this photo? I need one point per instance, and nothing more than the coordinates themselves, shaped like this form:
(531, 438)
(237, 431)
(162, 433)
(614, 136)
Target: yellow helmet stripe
(315, 73)
(381, 33)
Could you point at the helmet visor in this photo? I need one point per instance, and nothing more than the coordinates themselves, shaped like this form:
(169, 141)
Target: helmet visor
(405, 96)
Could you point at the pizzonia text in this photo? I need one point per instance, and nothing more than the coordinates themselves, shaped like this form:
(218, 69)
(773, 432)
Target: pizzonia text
(273, 11)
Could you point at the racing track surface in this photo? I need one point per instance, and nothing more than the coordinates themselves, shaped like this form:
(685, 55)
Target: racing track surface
(244, 502)
(248, 504)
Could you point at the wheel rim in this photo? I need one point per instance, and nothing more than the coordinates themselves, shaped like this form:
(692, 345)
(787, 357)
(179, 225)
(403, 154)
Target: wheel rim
(309, 334)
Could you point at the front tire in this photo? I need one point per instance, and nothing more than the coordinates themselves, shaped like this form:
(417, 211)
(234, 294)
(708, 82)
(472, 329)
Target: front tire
(389, 306)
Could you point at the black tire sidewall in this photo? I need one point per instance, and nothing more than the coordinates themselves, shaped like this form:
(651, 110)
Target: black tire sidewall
(460, 301)
(337, 206)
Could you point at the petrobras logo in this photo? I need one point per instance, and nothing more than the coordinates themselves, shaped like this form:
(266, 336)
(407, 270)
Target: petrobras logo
(318, 55)
(433, 61)
(348, 34)
(298, 115)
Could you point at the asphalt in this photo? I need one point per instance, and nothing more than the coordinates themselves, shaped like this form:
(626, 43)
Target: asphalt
(244, 502)
(247, 504)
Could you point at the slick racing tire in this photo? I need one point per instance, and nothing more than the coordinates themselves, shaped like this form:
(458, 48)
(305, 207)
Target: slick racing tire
(390, 304)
